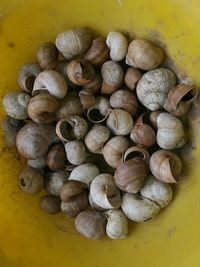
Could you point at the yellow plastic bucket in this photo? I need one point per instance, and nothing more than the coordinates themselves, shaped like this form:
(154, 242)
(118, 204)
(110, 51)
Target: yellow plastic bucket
(31, 238)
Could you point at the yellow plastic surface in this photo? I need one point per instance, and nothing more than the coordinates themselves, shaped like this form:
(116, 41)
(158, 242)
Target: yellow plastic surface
(31, 238)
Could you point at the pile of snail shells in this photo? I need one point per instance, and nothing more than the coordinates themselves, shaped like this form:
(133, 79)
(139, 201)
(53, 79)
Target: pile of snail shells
(107, 98)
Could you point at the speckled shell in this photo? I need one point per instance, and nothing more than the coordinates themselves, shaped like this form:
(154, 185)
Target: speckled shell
(153, 87)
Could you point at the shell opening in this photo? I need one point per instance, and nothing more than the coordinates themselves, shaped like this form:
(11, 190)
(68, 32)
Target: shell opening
(190, 95)
(95, 115)
(29, 82)
(22, 182)
(135, 155)
(145, 118)
(66, 131)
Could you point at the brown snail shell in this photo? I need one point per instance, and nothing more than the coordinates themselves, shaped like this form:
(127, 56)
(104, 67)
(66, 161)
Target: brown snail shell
(125, 100)
(132, 76)
(136, 152)
(95, 85)
(180, 98)
(144, 55)
(113, 150)
(42, 108)
(56, 158)
(87, 98)
(47, 56)
(166, 166)
(91, 224)
(71, 128)
(70, 189)
(74, 205)
(142, 133)
(153, 117)
(129, 176)
(50, 204)
(98, 53)
(70, 105)
(80, 72)
(31, 181)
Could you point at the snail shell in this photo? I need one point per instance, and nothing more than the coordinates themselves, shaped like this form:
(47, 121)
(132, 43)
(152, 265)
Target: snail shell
(15, 105)
(153, 118)
(113, 75)
(157, 191)
(42, 108)
(132, 76)
(70, 189)
(61, 67)
(33, 140)
(104, 191)
(153, 87)
(84, 173)
(47, 56)
(138, 209)
(142, 133)
(170, 133)
(114, 149)
(75, 152)
(98, 53)
(118, 45)
(144, 55)
(71, 128)
(91, 224)
(125, 100)
(70, 105)
(27, 75)
(11, 128)
(31, 181)
(95, 85)
(166, 166)
(56, 158)
(94, 205)
(96, 138)
(50, 204)
(119, 122)
(80, 72)
(129, 176)
(74, 42)
(136, 152)
(74, 205)
(100, 111)
(180, 98)
(117, 225)
(87, 98)
(51, 81)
